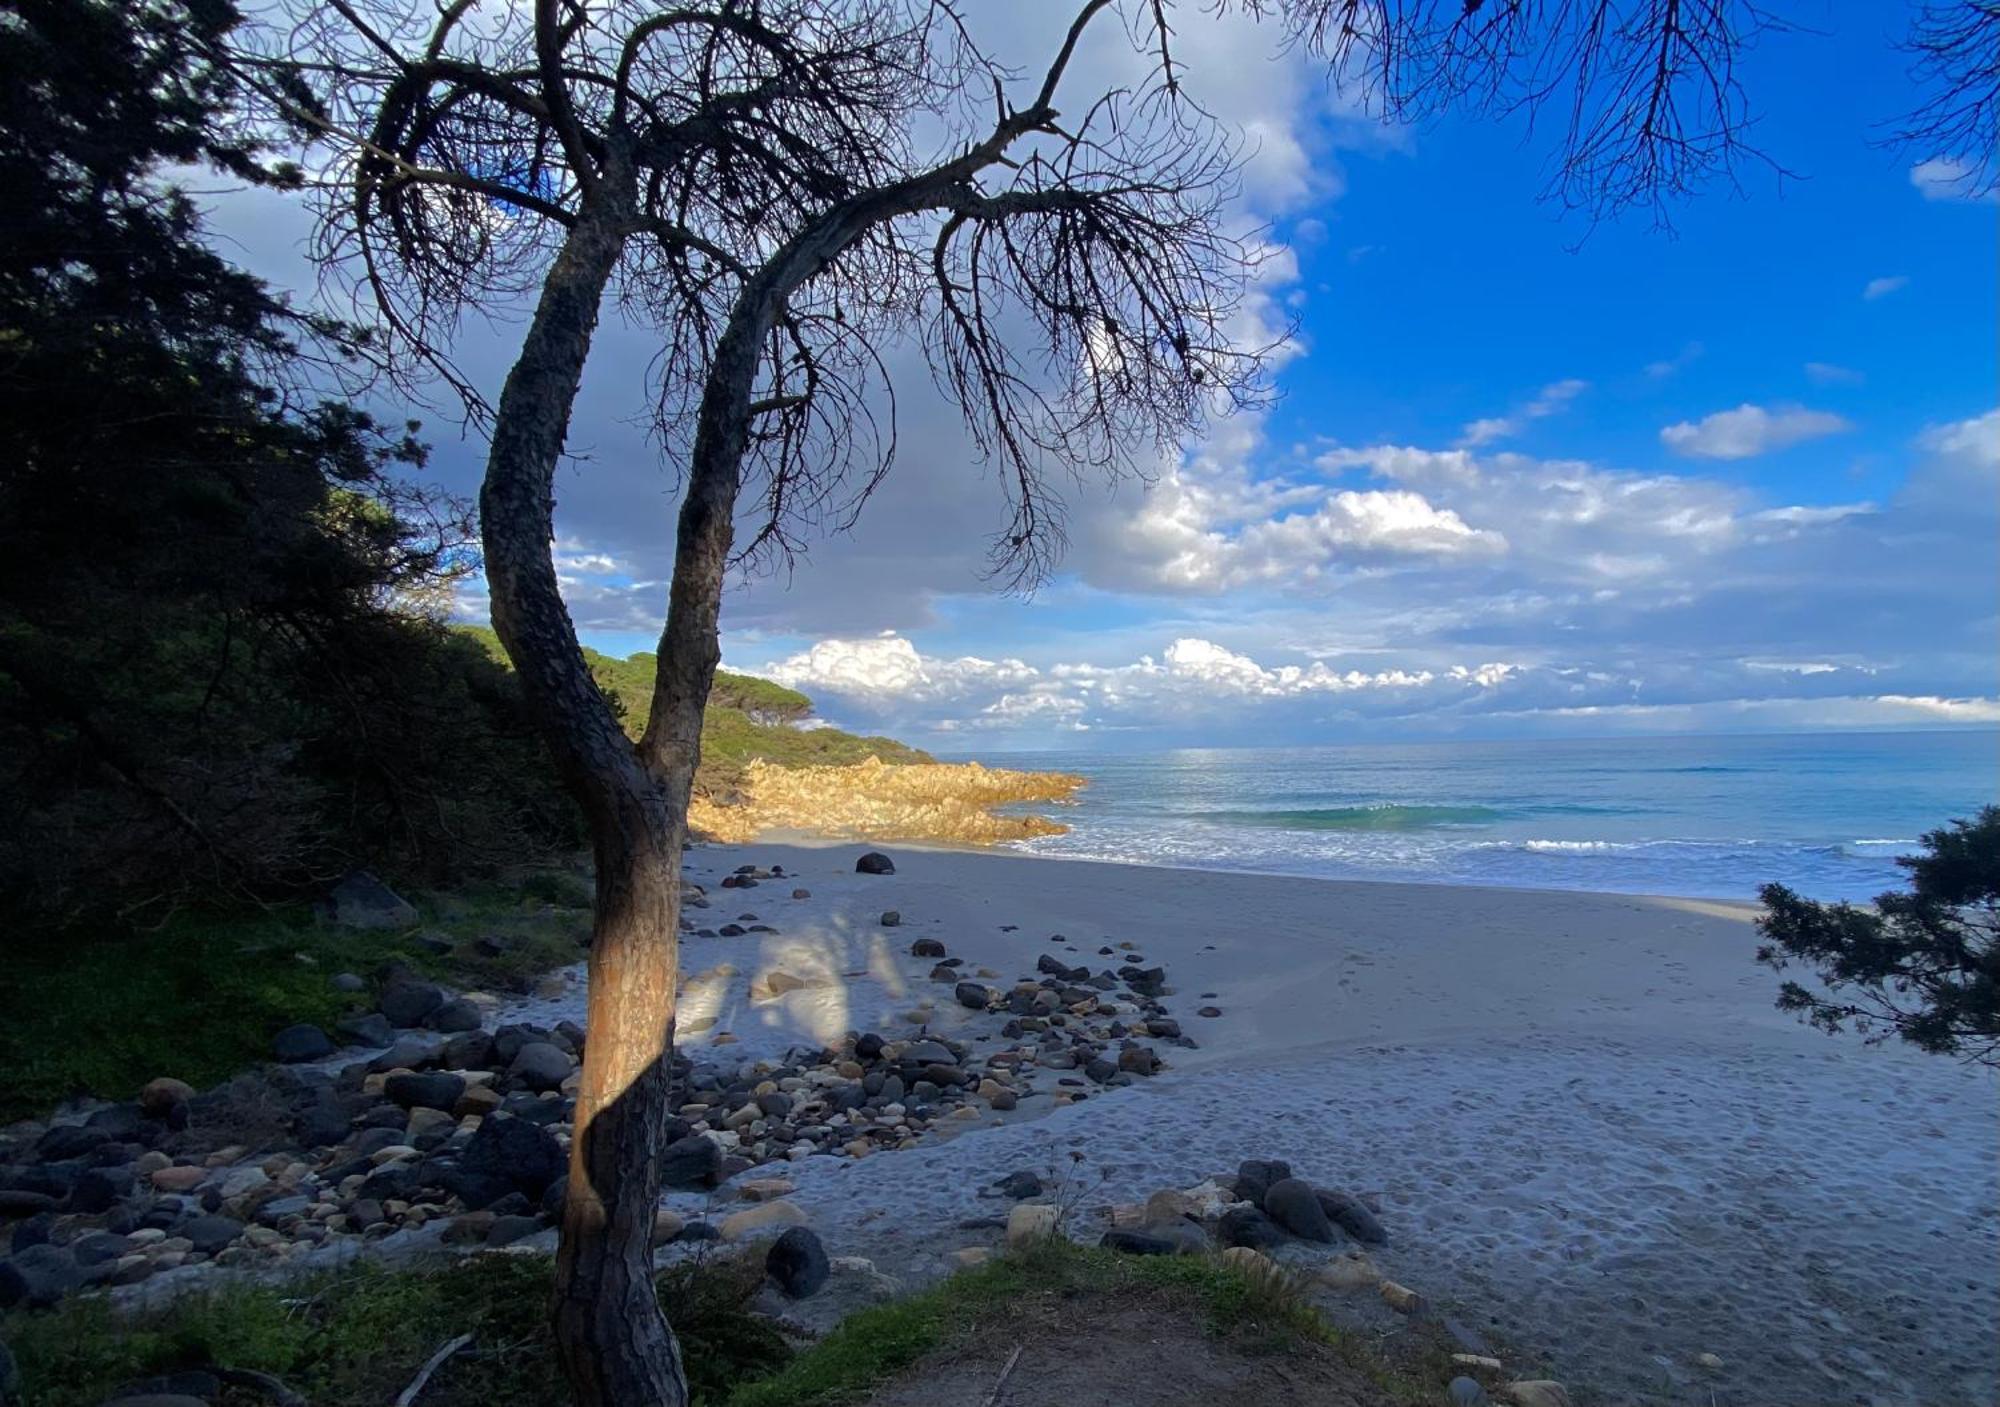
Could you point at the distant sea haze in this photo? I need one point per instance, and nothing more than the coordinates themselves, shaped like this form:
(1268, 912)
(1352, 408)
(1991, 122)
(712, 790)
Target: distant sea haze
(1710, 816)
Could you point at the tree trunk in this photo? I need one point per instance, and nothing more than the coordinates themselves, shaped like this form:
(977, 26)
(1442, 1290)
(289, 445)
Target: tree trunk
(615, 1345)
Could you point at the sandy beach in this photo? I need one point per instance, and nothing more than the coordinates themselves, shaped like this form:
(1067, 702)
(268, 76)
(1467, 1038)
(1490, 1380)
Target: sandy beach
(1588, 1131)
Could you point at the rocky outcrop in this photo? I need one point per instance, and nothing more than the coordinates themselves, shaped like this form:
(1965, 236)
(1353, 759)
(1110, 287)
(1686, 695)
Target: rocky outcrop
(876, 800)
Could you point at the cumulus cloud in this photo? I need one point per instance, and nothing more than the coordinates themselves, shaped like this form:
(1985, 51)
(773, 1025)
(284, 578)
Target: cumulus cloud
(1950, 178)
(1750, 430)
(1196, 683)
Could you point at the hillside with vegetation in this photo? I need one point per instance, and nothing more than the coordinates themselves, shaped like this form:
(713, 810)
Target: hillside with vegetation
(748, 720)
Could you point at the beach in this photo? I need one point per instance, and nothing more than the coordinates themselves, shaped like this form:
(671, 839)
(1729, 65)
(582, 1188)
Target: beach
(1589, 1133)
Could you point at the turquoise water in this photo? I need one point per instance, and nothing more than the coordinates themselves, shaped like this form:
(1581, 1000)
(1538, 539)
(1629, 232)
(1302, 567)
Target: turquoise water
(1824, 813)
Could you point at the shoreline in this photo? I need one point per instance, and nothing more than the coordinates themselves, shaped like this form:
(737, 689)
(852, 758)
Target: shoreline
(1588, 1128)
(1592, 1137)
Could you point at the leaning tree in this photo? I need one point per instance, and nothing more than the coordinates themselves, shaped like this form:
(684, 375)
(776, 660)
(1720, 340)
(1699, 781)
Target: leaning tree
(786, 190)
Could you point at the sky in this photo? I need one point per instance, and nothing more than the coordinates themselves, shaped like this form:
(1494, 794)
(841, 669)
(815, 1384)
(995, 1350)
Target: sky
(1522, 475)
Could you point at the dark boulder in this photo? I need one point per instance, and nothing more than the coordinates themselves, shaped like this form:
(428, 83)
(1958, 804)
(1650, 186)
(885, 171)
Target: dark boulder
(797, 1262)
(508, 1155)
(540, 1065)
(1254, 1177)
(973, 995)
(99, 1189)
(407, 1002)
(874, 862)
(211, 1233)
(694, 1161)
(434, 1090)
(1246, 1226)
(458, 1014)
(1017, 1185)
(1292, 1203)
(363, 901)
(1351, 1216)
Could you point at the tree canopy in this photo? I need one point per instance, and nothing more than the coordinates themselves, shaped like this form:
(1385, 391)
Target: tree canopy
(1923, 964)
(221, 675)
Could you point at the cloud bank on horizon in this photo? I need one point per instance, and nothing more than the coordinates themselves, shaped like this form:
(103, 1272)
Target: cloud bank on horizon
(1516, 481)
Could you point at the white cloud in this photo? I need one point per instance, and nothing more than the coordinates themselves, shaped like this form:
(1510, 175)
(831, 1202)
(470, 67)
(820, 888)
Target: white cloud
(1974, 442)
(1950, 178)
(889, 667)
(1680, 361)
(1828, 374)
(1750, 430)
(1883, 287)
(1548, 401)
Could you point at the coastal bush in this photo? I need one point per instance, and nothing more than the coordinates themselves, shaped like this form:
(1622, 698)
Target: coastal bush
(1922, 964)
(200, 997)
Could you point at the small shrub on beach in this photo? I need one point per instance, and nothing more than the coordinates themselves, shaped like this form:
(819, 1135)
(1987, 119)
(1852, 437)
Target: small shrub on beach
(1923, 964)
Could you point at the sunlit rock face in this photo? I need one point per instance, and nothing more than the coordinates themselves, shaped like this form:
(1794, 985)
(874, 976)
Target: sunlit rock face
(874, 800)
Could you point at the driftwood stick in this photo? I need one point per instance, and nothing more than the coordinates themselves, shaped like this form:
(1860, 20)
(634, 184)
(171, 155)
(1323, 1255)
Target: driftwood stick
(993, 1397)
(409, 1394)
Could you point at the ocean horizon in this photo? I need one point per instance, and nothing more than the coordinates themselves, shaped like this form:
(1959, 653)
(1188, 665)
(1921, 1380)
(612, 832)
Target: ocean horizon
(1701, 816)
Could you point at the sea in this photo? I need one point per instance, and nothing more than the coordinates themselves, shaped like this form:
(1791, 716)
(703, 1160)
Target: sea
(1826, 814)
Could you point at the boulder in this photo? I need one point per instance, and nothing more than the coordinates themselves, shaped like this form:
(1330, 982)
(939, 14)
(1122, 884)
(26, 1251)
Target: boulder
(694, 1161)
(158, 1098)
(1138, 1060)
(363, 901)
(1244, 1225)
(1254, 1177)
(210, 1234)
(1352, 1217)
(891, 918)
(296, 1044)
(797, 1262)
(927, 948)
(972, 995)
(1137, 1243)
(37, 1276)
(541, 1065)
(408, 1002)
(1029, 1223)
(874, 862)
(507, 1155)
(455, 1015)
(1292, 1203)
(1018, 1185)
(435, 1090)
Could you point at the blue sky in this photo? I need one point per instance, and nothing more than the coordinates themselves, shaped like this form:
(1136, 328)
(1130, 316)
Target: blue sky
(1523, 476)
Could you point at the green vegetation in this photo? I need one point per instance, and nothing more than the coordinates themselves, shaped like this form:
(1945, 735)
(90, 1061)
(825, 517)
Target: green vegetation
(747, 719)
(223, 679)
(355, 1338)
(200, 998)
